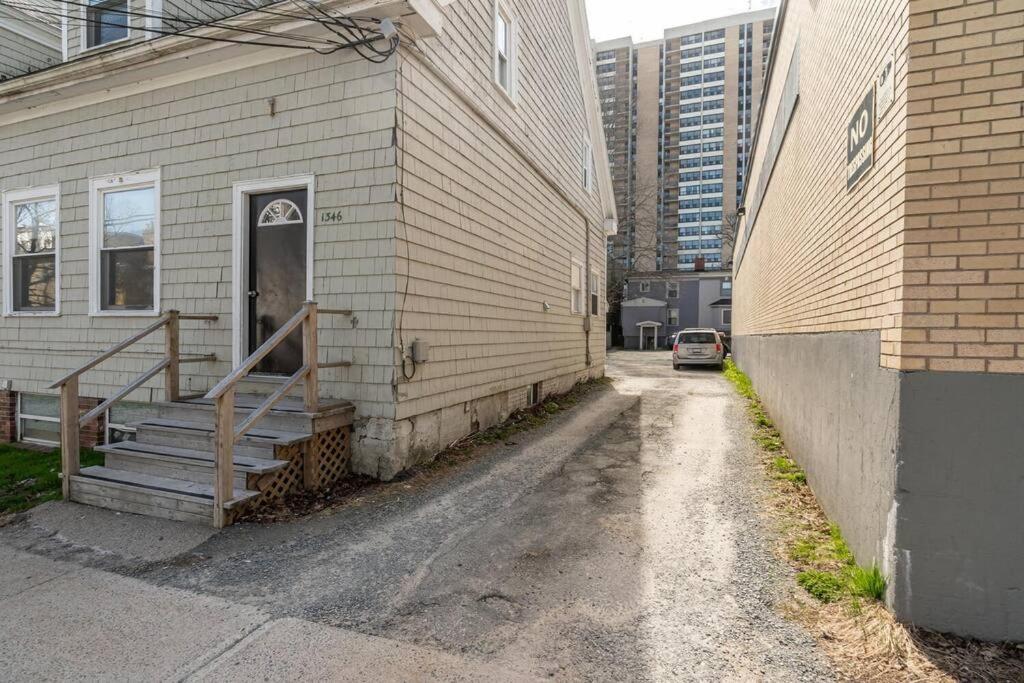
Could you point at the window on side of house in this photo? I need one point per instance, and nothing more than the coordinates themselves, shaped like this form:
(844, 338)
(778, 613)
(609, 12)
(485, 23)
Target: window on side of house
(673, 316)
(576, 288)
(727, 316)
(125, 244)
(31, 246)
(587, 166)
(106, 21)
(39, 419)
(645, 286)
(504, 49)
(595, 292)
(726, 287)
(673, 290)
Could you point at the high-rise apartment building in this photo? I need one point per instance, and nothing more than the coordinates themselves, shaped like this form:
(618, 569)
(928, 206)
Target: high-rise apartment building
(677, 119)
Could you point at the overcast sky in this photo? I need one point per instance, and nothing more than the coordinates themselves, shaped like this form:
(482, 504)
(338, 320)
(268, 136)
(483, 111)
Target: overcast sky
(647, 19)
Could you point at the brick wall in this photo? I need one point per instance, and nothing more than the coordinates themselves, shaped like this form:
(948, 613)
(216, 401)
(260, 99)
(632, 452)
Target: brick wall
(8, 413)
(964, 281)
(819, 257)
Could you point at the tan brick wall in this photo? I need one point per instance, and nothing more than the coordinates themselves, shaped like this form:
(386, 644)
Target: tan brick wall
(821, 258)
(964, 280)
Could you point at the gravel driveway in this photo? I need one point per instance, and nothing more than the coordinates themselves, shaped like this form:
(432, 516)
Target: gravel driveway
(623, 540)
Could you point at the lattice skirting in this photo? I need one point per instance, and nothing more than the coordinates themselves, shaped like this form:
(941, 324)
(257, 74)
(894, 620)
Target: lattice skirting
(312, 465)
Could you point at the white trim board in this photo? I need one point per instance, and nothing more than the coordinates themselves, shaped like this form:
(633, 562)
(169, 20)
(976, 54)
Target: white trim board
(240, 192)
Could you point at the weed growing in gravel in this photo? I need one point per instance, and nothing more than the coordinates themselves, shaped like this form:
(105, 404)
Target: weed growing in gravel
(827, 568)
(864, 640)
(825, 586)
(867, 583)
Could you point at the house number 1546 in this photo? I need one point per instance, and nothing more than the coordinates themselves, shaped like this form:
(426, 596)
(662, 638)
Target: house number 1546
(330, 216)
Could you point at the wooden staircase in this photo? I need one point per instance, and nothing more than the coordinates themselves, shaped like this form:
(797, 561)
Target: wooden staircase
(191, 462)
(168, 471)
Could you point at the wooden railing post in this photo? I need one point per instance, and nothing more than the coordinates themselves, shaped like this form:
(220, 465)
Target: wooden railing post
(223, 445)
(69, 461)
(309, 358)
(172, 375)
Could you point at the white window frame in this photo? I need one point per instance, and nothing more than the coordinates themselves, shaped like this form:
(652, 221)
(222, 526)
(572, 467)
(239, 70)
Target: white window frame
(10, 198)
(669, 316)
(512, 58)
(117, 182)
(595, 290)
(576, 287)
(19, 416)
(669, 288)
(588, 166)
(83, 29)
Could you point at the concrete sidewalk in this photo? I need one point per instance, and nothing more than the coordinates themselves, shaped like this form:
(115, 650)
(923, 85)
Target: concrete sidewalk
(65, 622)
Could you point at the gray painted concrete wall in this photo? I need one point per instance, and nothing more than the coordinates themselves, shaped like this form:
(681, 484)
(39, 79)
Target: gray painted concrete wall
(837, 411)
(923, 472)
(960, 496)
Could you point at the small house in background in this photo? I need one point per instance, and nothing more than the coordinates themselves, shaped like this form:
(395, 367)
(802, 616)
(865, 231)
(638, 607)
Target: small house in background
(302, 236)
(659, 304)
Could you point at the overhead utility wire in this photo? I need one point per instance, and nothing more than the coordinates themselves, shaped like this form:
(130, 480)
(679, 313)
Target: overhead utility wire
(334, 46)
(195, 23)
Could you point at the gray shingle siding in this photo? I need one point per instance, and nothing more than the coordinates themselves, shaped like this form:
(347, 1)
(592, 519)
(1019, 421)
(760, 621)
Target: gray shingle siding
(20, 55)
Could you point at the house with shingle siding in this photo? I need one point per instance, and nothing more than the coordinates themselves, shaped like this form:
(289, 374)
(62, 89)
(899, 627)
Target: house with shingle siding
(425, 175)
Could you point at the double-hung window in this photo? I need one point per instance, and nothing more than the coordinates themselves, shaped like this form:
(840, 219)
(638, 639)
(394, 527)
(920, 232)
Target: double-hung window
(124, 233)
(576, 288)
(587, 162)
(31, 220)
(106, 21)
(595, 293)
(504, 49)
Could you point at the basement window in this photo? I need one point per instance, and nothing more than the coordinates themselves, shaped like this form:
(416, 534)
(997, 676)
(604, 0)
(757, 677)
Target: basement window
(39, 419)
(106, 21)
(121, 416)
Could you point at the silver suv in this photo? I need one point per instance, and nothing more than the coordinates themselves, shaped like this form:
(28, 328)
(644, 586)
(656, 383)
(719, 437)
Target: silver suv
(698, 346)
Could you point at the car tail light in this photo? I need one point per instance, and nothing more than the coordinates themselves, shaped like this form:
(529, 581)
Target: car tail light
(675, 348)
(718, 348)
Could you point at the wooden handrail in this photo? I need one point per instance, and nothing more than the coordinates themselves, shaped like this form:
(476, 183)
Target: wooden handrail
(270, 402)
(259, 354)
(116, 348)
(70, 419)
(124, 391)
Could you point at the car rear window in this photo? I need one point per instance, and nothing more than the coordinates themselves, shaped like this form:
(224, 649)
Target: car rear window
(697, 338)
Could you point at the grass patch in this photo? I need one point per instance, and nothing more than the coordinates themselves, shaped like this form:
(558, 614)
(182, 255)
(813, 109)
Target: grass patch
(841, 601)
(823, 585)
(867, 583)
(826, 566)
(29, 477)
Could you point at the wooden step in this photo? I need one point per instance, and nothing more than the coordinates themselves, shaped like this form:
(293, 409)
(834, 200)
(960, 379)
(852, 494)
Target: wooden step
(288, 415)
(149, 495)
(181, 463)
(187, 434)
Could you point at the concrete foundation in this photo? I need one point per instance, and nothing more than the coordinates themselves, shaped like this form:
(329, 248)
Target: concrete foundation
(923, 472)
(383, 448)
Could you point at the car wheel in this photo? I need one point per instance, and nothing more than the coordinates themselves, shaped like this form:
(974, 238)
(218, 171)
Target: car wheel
(675, 367)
